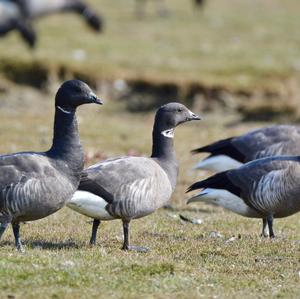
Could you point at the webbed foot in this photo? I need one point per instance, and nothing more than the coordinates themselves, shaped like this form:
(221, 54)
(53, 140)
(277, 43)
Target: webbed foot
(136, 248)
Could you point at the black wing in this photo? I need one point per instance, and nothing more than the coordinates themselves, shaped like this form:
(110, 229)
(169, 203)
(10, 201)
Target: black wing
(222, 147)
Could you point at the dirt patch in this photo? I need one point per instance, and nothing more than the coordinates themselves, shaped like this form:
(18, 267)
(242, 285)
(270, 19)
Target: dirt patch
(279, 102)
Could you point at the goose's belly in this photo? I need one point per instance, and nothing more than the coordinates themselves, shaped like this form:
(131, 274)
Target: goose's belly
(287, 210)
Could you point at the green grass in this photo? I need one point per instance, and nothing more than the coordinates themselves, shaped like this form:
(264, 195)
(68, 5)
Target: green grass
(232, 43)
(185, 261)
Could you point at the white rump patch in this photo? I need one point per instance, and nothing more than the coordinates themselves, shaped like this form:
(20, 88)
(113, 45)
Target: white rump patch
(218, 163)
(168, 133)
(226, 200)
(63, 110)
(90, 205)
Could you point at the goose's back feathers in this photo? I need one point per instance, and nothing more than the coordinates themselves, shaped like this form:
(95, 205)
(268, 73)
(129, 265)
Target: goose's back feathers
(268, 141)
(132, 186)
(255, 144)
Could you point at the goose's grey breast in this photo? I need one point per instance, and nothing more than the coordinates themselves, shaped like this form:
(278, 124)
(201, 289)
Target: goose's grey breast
(132, 186)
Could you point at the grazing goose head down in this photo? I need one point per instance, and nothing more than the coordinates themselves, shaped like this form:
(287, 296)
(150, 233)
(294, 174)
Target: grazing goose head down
(233, 152)
(11, 19)
(34, 185)
(132, 187)
(266, 188)
(36, 8)
(19, 15)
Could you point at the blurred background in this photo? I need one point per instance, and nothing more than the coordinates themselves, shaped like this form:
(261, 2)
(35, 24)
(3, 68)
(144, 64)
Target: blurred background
(242, 55)
(235, 62)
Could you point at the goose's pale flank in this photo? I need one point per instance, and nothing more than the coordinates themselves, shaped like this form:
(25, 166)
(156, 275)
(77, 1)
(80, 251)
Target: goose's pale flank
(11, 19)
(266, 188)
(34, 185)
(265, 142)
(127, 188)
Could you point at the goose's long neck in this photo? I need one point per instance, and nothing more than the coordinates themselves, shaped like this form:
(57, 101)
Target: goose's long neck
(66, 143)
(164, 153)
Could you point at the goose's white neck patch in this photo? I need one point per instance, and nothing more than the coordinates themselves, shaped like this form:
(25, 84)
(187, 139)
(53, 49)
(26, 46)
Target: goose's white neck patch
(63, 110)
(168, 133)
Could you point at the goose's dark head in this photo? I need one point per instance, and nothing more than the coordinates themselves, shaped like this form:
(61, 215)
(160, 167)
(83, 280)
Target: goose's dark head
(74, 93)
(94, 21)
(171, 115)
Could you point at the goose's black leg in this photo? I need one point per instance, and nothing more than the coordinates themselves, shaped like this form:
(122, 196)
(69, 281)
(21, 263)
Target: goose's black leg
(96, 224)
(3, 227)
(270, 225)
(16, 230)
(264, 232)
(126, 245)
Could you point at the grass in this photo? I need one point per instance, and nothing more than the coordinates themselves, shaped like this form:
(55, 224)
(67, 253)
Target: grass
(236, 44)
(185, 260)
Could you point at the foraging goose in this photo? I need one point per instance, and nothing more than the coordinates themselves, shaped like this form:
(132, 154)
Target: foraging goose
(37, 8)
(132, 187)
(12, 19)
(34, 185)
(266, 188)
(266, 142)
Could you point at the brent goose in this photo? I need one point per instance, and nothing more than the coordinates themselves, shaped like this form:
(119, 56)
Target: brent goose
(265, 142)
(132, 187)
(36, 184)
(11, 19)
(35, 8)
(266, 188)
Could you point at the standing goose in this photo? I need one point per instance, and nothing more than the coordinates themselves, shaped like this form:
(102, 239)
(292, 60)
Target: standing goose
(12, 19)
(36, 8)
(234, 152)
(127, 188)
(266, 188)
(34, 185)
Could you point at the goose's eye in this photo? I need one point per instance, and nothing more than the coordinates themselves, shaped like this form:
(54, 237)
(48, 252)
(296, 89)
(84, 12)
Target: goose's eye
(179, 110)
